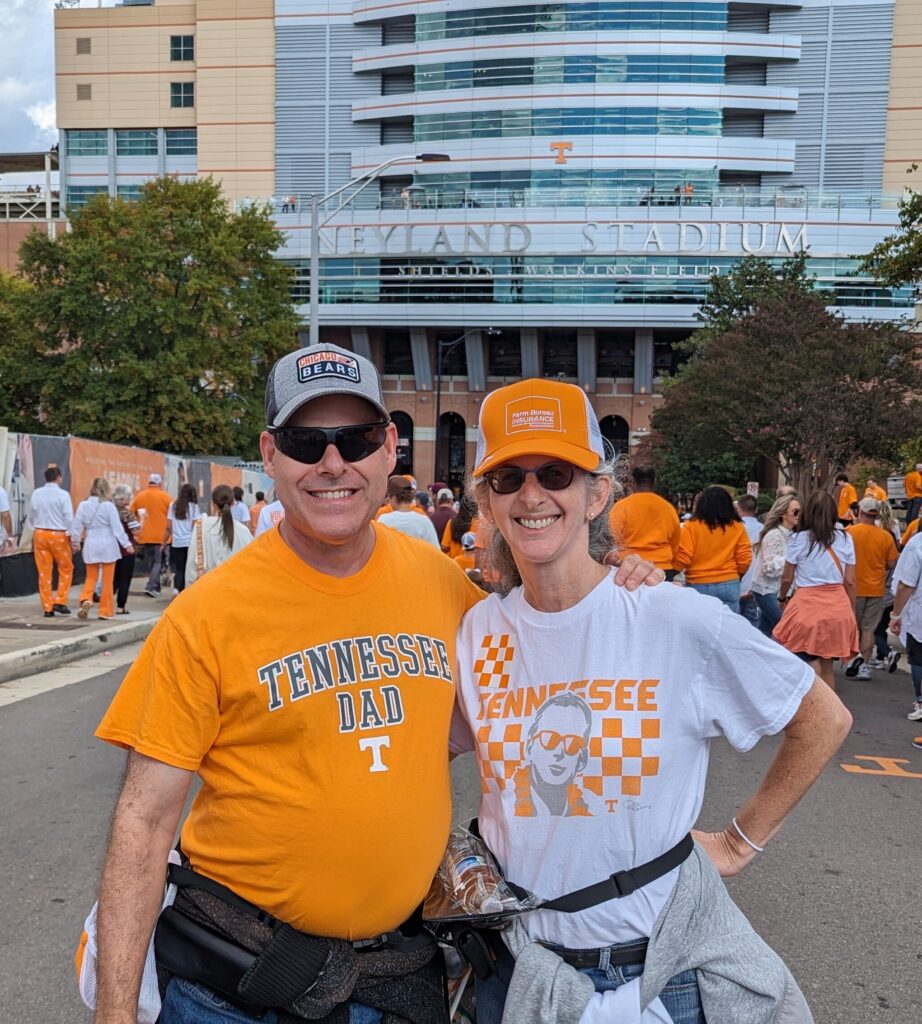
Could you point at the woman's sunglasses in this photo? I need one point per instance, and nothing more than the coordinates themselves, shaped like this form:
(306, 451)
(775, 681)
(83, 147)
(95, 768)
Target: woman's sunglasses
(307, 444)
(554, 476)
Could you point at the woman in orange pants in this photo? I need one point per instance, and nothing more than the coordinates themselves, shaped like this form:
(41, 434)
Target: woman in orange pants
(97, 523)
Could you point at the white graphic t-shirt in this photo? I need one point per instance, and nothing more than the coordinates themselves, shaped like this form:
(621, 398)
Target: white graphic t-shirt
(592, 729)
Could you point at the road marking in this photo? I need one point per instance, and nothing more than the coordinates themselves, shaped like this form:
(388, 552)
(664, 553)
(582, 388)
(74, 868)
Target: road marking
(74, 672)
(886, 766)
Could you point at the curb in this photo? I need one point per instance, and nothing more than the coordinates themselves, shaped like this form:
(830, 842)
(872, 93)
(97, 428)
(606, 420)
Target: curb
(18, 664)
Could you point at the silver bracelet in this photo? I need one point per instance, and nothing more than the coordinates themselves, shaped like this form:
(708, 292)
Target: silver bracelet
(746, 838)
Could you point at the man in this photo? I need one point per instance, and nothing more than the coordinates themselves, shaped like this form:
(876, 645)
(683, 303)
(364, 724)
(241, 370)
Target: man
(8, 544)
(316, 710)
(913, 483)
(444, 510)
(845, 496)
(746, 506)
(269, 515)
(906, 620)
(875, 556)
(51, 513)
(239, 510)
(874, 490)
(645, 524)
(256, 508)
(151, 506)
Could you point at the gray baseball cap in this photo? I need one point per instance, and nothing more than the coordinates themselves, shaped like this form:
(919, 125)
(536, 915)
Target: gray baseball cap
(315, 371)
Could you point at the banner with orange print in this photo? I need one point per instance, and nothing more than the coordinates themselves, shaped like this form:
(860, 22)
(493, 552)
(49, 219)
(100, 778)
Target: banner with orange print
(118, 464)
(572, 748)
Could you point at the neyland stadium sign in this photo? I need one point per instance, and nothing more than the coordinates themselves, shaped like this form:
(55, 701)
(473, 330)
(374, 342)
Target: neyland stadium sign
(719, 238)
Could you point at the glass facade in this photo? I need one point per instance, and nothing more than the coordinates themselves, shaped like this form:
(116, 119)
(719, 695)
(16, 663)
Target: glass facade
(79, 195)
(660, 280)
(130, 193)
(567, 70)
(138, 142)
(182, 94)
(87, 143)
(493, 124)
(613, 15)
(181, 141)
(182, 47)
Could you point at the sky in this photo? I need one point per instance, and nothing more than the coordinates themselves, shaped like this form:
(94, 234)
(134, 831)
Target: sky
(26, 76)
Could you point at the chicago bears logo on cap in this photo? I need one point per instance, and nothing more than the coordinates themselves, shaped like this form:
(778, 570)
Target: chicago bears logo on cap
(315, 365)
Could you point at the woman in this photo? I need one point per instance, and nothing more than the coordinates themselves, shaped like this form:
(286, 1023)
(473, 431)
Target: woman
(886, 657)
(400, 496)
(215, 538)
(769, 556)
(181, 516)
(591, 710)
(714, 548)
(124, 567)
(97, 524)
(465, 521)
(818, 623)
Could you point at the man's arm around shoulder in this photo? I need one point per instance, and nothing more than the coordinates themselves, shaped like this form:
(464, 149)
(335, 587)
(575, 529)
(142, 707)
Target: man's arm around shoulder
(143, 825)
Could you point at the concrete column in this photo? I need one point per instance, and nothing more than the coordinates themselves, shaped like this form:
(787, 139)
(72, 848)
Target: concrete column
(422, 364)
(161, 152)
(586, 358)
(361, 346)
(531, 356)
(643, 360)
(476, 362)
(110, 136)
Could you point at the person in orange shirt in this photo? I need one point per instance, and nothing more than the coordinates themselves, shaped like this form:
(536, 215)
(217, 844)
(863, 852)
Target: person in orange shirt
(151, 506)
(910, 531)
(714, 549)
(844, 496)
(257, 507)
(875, 556)
(455, 529)
(913, 484)
(467, 559)
(646, 524)
(874, 490)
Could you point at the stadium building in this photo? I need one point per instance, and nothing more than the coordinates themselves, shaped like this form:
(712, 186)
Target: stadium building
(545, 187)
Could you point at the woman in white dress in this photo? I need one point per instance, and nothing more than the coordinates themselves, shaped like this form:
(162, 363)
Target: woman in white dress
(215, 538)
(98, 526)
(181, 516)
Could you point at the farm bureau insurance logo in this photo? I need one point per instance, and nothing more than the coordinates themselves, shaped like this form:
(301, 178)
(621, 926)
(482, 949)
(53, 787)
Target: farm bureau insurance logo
(534, 414)
(328, 364)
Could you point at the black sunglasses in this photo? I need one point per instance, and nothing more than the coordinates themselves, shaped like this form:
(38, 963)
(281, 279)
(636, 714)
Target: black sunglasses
(553, 476)
(307, 444)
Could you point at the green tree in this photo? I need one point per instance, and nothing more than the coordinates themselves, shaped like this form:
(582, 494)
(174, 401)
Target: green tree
(773, 373)
(19, 381)
(898, 258)
(157, 320)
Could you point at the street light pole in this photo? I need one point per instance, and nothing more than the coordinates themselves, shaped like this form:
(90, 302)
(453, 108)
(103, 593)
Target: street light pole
(362, 181)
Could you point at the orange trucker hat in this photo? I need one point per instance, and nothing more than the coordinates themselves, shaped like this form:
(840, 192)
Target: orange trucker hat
(538, 417)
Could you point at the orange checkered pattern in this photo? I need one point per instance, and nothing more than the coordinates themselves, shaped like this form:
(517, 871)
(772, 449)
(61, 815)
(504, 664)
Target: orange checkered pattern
(499, 758)
(613, 755)
(492, 668)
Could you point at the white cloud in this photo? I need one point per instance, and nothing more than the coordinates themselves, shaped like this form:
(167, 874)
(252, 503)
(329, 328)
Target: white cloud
(26, 75)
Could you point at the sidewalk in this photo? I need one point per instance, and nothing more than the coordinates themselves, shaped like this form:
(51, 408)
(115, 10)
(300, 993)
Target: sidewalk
(30, 643)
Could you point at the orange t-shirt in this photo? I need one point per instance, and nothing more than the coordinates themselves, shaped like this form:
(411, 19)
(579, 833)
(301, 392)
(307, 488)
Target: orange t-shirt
(316, 711)
(155, 502)
(875, 492)
(647, 525)
(847, 497)
(910, 531)
(874, 547)
(713, 556)
(466, 561)
(387, 507)
(913, 483)
(454, 546)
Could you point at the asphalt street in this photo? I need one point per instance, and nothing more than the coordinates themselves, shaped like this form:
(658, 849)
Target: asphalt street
(836, 893)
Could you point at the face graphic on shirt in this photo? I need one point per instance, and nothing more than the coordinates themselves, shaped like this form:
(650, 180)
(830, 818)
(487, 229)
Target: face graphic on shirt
(557, 751)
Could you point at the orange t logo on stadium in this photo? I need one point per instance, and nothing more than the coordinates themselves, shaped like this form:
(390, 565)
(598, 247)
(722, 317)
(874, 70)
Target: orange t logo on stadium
(562, 149)
(534, 413)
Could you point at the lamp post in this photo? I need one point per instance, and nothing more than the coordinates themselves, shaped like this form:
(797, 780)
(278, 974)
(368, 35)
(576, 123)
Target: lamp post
(360, 183)
(444, 348)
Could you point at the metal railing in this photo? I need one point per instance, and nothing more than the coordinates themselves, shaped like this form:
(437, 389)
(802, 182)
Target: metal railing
(22, 205)
(421, 198)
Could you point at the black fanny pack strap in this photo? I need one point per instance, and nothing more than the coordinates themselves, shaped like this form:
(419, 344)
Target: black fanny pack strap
(622, 883)
(186, 878)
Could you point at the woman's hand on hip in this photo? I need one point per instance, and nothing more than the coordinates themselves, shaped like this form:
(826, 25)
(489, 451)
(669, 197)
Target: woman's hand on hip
(728, 852)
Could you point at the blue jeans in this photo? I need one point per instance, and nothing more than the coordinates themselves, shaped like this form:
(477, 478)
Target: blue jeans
(728, 592)
(188, 1003)
(749, 609)
(680, 996)
(769, 612)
